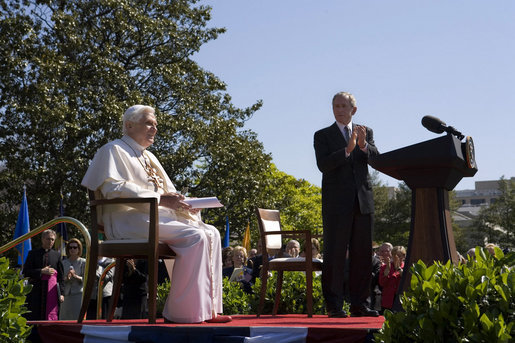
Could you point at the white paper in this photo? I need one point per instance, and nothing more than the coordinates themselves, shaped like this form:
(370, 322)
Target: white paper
(208, 202)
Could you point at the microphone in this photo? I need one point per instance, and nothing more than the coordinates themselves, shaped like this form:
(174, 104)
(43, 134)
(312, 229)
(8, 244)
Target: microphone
(71, 268)
(435, 125)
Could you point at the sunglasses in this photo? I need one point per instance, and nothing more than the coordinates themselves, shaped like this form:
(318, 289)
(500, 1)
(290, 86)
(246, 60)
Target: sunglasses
(73, 247)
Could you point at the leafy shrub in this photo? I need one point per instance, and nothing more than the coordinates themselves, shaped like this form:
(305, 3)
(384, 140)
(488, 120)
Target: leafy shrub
(13, 291)
(162, 292)
(293, 294)
(293, 299)
(235, 300)
(471, 302)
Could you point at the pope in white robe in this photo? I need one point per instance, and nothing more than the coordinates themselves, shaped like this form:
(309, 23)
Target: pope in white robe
(124, 168)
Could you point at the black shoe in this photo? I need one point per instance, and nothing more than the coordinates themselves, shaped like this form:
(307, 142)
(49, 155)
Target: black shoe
(363, 311)
(337, 314)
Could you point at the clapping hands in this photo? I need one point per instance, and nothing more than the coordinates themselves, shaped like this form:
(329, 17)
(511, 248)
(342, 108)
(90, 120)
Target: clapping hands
(359, 135)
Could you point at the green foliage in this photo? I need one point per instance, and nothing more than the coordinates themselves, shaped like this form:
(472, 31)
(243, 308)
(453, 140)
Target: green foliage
(299, 202)
(392, 215)
(293, 295)
(235, 300)
(471, 302)
(162, 293)
(13, 291)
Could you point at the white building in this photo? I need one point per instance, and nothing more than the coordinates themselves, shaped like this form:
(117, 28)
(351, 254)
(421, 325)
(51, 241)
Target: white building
(473, 200)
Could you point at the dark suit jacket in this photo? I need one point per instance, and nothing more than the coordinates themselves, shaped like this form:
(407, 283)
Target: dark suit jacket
(343, 177)
(32, 270)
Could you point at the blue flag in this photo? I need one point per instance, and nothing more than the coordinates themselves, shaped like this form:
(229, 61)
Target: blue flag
(62, 234)
(226, 237)
(22, 227)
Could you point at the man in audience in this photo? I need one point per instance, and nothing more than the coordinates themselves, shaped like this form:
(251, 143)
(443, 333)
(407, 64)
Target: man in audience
(44, 269)
(293, 248)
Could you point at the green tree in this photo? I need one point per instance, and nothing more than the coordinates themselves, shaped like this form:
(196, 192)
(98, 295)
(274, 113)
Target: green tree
(496, 223)
(69, 69)
(392, 217)
(299, 202)
(238, 175)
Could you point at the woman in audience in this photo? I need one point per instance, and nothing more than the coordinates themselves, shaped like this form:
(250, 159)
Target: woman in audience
(390, 276)
(227, 257)
(315, 249)
(74, 266)
(243, 267)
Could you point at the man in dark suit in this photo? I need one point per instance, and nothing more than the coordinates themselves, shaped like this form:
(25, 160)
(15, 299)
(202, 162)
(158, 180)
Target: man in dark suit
(44, 267)
(342, 151)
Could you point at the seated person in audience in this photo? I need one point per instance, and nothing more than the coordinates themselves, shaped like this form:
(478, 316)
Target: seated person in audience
(257, 262)
(252, 253)
(390, 276)
(241, 265)
(227, 257)
(491, 248)
(292, 248)
(315, 249)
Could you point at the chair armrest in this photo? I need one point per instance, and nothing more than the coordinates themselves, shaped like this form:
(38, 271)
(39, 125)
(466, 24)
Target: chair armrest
(290, 233)
(97, 202)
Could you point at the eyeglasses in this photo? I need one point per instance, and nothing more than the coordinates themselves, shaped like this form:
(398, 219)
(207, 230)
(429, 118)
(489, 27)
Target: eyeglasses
(73, 247)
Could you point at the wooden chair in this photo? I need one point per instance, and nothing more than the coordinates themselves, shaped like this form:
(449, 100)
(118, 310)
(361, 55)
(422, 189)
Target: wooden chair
(271, 239)
(121, 250)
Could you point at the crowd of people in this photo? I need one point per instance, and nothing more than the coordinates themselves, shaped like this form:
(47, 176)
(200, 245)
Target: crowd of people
(61, 298)
(243, 268)
(58, 283)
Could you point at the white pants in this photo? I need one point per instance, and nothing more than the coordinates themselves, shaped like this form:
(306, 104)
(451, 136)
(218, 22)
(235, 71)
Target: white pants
(196, 287)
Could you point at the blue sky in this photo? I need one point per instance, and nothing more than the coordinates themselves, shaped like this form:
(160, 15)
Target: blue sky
(401, 59)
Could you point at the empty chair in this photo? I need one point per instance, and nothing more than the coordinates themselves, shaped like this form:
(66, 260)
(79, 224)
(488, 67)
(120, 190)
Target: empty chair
(271, 239)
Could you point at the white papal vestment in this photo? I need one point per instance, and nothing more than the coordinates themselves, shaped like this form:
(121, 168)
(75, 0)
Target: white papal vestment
(118, 171)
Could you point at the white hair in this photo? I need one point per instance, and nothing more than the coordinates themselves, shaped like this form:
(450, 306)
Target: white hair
(134, 114)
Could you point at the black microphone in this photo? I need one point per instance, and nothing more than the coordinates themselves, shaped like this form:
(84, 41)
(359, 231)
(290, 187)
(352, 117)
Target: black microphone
(435, 125)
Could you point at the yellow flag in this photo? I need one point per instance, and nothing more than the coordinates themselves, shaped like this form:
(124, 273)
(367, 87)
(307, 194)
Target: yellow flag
(246, 238)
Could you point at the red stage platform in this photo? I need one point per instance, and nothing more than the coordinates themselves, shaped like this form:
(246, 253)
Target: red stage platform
(277, 329)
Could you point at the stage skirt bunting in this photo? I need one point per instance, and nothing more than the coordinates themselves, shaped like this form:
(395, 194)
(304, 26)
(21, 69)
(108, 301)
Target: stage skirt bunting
(160, 334)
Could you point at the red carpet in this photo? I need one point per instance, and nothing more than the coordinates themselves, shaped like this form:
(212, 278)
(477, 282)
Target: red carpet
(267, 328)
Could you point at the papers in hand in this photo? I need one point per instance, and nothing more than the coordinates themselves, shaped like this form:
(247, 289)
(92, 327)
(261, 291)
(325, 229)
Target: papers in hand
(208, 202)
(240, 274)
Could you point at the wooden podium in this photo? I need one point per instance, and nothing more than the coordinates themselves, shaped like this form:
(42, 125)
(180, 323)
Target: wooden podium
(430, 169)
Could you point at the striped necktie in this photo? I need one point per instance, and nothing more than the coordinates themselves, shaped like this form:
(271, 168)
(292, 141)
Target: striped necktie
(346, 133)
